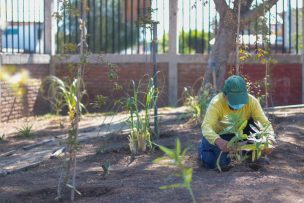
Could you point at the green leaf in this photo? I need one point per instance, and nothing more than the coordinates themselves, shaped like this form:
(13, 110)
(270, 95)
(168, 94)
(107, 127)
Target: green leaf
(178, 147)
(165, 187)
(218, 162)
(253, 156)
(187, 175)
(248, 147)
(160, 159)
(170, 153)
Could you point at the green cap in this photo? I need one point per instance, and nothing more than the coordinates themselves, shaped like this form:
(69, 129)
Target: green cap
(235, 90)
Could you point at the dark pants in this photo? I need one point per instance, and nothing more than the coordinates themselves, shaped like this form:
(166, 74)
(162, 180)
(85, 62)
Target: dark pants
(209, 153)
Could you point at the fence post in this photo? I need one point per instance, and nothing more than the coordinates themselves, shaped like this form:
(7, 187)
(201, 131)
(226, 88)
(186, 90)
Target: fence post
(172, 52)
(49, 27)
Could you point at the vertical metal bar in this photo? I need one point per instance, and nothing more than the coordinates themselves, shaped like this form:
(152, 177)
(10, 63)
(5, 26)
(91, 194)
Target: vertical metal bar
(183, 31)
(203, 29)
(119, 24)
(39, 31)
(89, 36)
(155, 79)
(195, 29)
(144, 30)
(209, 25)
(269, 30)
(297, 27)
(106, 36)
(29, 25)
(34, 12)
(189, 34)
(18, 35)
(126, 28)
(6, 33)
(23, 27)
(100, 26)
(58, 30)
(289, 25)
(276, 28)
(283, 28)
(164, 31)
(256, 30)
(12, 24)
(70, 21)
(156, 20)
(76, 23)
(131, 26)
(113, 27)
(138, 26)
(94, 25)
(64, 24)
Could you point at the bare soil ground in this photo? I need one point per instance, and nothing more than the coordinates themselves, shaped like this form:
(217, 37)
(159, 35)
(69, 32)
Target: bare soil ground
(137, 179)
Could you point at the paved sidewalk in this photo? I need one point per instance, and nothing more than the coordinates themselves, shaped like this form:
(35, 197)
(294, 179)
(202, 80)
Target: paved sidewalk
(32, 155)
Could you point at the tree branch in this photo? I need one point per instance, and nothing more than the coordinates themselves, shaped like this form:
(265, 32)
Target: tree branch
(259, 10)
(221, 6)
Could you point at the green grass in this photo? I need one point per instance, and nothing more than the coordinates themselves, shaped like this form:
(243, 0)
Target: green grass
(26, 131)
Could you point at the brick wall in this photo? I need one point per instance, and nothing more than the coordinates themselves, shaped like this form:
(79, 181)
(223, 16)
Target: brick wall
(13, 107)
(97, 81)
(285, 84)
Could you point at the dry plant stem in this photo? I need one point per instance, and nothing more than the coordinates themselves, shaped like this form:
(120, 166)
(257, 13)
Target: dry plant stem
(63, 179)
(79, 77)
(192, 195)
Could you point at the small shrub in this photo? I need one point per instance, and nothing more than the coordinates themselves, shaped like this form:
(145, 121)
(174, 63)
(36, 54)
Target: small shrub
(198, 103)
(140, 137)
(26, 131)
(100, 101)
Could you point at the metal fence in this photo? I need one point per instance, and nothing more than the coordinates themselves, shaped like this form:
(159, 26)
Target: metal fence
(22, 26)
(278, 30)
(116, 26)
(113, 26)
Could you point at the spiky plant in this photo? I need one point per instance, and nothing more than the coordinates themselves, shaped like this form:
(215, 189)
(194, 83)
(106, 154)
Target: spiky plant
(176, 158)
(26, 131)
(140, 137)
(56, 89)
(254, 143)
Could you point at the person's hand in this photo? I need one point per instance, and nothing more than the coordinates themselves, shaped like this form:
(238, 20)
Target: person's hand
(222, 144)
(267, 151)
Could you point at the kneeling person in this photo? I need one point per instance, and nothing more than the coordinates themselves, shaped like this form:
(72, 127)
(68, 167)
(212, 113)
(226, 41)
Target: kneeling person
(233, 99)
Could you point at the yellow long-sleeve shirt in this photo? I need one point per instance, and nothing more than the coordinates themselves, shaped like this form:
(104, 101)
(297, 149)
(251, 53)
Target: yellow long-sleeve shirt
(218, 109)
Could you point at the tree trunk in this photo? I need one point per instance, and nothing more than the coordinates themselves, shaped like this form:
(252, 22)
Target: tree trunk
(218, 58)
(225, 40)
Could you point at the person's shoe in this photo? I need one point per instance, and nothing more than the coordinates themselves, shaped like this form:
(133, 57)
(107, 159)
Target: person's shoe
(258, 164)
